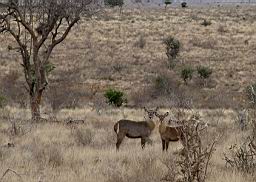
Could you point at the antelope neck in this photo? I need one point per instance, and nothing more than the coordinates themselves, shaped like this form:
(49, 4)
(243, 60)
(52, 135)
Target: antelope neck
(151, 124)
(162, 127)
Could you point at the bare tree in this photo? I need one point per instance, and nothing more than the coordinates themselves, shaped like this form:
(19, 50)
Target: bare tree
(38, 26)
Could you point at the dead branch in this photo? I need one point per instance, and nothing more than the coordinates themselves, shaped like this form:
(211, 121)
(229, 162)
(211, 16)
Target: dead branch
(8, 171)
(195, 157)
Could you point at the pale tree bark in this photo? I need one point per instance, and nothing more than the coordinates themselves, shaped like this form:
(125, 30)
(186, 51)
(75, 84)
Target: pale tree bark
(38, 27)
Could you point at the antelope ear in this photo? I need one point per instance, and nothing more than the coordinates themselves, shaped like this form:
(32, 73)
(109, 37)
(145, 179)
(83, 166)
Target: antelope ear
(145, 109)
(166, 114)
(156, 114)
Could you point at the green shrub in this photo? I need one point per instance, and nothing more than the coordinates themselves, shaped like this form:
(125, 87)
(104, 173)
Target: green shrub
(204, 72)
(115, 97)
(184, 5)
(187, 73)
(206, 22)
(166, 2)
(113, 3)
(251, 93)
(2, 101)
(172, 46)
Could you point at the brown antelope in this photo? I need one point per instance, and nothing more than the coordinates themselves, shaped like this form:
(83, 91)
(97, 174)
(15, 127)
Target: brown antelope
(168, 133)
(135, 129)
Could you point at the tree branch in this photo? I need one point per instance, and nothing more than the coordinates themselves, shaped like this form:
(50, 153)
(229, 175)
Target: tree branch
(59, 40)
(64, 35)
(10, 170)
(22, 20)
(55, 33)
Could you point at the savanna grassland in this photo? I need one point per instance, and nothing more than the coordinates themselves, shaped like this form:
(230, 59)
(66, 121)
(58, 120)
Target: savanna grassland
(56, 151)
(126, 52)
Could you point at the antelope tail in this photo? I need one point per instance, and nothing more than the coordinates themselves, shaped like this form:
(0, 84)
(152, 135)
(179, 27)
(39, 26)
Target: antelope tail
(116, 128)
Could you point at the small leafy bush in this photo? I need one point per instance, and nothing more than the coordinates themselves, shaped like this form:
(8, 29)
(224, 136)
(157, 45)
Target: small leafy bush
(2, 101)
(115, 97)
(184, 5)
(204, 72)
(206, 22)
(113, 3)
(166, 2)
(187, 73)
(172, 46)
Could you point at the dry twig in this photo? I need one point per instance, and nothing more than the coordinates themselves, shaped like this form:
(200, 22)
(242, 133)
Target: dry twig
(8, 171)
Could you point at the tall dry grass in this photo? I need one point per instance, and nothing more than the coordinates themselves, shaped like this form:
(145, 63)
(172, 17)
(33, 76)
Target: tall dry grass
(53, 151)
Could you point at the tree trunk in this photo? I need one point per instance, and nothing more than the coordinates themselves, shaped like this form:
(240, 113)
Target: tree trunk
(35, 101)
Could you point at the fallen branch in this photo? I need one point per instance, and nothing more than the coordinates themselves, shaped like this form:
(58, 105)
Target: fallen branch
(10, 170)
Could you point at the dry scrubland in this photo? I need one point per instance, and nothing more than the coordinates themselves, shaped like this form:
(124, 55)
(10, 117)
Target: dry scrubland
(86, 152)
(104, 52)
(101, 53)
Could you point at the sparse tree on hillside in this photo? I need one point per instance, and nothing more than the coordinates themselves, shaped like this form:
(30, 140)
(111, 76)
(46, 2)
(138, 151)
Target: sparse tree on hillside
(38, 27)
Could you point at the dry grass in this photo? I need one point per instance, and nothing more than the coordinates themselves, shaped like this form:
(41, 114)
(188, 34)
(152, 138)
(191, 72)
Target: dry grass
(56, 152)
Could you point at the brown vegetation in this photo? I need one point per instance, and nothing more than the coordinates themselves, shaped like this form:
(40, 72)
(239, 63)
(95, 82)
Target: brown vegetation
(103, 54)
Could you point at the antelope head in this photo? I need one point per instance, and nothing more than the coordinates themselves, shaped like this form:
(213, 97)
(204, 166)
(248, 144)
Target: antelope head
(151, 113)
(161, 117)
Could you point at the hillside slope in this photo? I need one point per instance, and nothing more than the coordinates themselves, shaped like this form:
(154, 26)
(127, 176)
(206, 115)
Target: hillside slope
(105, 52)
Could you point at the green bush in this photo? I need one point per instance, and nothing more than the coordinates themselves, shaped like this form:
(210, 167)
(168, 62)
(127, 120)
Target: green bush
(113, 3)
(184, 5)
(115, 97)
(172, 46)
(2, 101)
(187, 73)
(204, 72)
(166, 2)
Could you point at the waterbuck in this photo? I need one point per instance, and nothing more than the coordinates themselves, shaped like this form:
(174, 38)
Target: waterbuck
(168, 133)
(135, 129)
